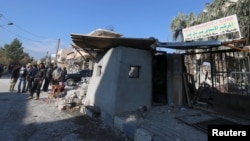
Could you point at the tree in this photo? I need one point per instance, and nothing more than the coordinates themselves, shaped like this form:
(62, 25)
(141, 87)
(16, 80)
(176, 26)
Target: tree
(215, 10)
(242, 10)
(180, 22)
(177, 25)
(13, 53)
(3, 58)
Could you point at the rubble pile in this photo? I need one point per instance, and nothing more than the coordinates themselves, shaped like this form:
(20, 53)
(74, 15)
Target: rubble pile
(72, 98)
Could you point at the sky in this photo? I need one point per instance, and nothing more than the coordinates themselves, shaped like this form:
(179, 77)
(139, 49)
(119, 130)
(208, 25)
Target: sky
(43, 25)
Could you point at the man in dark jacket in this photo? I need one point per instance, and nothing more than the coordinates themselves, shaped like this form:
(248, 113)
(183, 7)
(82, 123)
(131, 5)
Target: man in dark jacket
(1, 70)
(48, 78)
(14, 77)
(38, 80)
(64, 74)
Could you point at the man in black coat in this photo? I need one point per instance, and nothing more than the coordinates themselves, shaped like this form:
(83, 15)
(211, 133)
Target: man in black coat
(48, 78)
(14, 77)
(38, 81)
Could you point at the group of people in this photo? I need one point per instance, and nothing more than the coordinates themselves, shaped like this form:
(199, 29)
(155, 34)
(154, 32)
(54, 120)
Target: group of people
(33, 78)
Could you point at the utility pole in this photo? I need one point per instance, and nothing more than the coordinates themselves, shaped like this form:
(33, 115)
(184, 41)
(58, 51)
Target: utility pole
(47, 62)
(58, 43)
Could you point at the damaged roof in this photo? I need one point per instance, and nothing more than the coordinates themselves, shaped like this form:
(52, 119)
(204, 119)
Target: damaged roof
(89, 42)
(101, 39)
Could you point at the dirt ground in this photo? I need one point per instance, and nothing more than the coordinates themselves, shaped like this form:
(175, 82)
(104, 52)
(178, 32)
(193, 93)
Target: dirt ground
(95, 129)
(36, 120)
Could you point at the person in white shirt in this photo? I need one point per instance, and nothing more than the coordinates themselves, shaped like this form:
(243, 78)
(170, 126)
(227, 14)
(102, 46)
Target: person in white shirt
(22, 79)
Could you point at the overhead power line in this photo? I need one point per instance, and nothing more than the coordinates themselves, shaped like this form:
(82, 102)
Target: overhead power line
(29, 32)
(19, 35)
(24, 30)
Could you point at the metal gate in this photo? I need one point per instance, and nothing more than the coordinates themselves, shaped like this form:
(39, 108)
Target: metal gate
(228, 71)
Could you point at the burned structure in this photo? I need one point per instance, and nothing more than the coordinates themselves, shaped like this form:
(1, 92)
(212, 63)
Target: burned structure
(130, 73)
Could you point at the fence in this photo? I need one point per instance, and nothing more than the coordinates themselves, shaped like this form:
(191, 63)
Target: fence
(228, 71)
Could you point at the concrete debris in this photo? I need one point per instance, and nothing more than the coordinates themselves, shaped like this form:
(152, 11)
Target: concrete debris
(72, 98)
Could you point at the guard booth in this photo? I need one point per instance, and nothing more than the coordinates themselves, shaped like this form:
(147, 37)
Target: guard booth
(122, 74)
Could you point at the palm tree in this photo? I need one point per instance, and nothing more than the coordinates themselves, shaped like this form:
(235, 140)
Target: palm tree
(177, 25)
(242, 9)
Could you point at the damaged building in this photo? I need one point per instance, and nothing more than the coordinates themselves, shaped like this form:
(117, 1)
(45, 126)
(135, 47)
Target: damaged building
(130, 73)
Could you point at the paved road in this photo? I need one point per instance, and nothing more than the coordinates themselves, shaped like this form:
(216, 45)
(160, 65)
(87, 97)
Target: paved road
(35, 120)
(4, 84)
